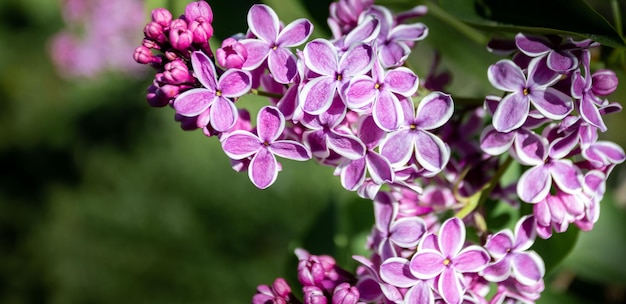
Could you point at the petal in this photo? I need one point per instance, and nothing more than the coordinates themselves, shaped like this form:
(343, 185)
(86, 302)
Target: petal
(528, 267)
(562, 61)
(402, 81)
(387, 111)
(511, 113)
(540, 75)
(451, 237)
(590, 113)
(505, 75)
(193, 102)
(270, 124)
(427, 264)
(449, 286)
(383, 211)
(347, 146)
(534, 185)
(316, 141)
(290, 149)
(370, 133)
(379, 168)
(530, 148)
(419, 294)
(257, 52)
(499, 271)
(494, 142)
(263, 22)
(525, 233)
(295, 33)
(263, 169)
(357, 60)
(317, 95)
(532, 45)
(353, 174)
(500, 244)
(321, 57)
(471, 259)
(434, 110)
(409, 32)
(566, 175)
(204, 69)
(367, 30)
(235, 83)
(398, 147)
(407, 231)
(551, 103)
(393, 54)
(240, 144)
(282, 64)
(395, 271)
(360, 92)
(431, 152)
(223, 114)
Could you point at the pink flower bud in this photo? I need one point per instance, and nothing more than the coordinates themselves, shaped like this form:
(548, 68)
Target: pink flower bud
(604, 82)
(180, 38)
(310, 271)
(178, 24)
(176, 72)
(171, 55)
(314, 295)
(197, 9)
(162, 16)
(155, 32)
(142, 55)
(202, 30)
(345, 294)
(149, 43)
(281, 288)
(232, 54)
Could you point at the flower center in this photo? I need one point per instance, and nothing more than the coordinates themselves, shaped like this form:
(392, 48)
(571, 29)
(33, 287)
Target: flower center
(218, 93)
(526, 91)
(446, 262)
(413, 126)
(339, 77)
(377, 86)
(266, 144)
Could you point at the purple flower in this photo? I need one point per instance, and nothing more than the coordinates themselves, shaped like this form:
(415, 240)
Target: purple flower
(587, 101)
(263, 168)
(278, 293)
(559, 55)
(513, 109)
(353, 172)
(345, 294)
(215, 97)
(397, 272)
(447, 261)
(272, 43)
(413, 136)
(344, 15)
(380, 91)
(232, 54)
(320, 56)
(512, 257)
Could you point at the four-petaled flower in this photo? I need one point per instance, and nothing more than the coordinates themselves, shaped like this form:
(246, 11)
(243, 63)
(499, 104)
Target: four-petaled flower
(214, 98)
(263, 167)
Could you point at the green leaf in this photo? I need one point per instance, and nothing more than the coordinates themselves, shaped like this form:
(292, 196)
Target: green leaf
(555, 249)
(565, 17)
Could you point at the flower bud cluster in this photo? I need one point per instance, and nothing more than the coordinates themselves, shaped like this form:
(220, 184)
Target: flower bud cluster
(167, 47)
(351, 103)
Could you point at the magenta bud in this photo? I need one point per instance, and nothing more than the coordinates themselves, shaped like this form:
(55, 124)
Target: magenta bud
(181, 39)
(168, 91)
(162, 16)
(154, 31)
(142, 55)
(176, 72)
(202, 30)
(345, 294)
(197, 9)
(178, 24)
(154, 98)
(281, 287)
(310, 271)
(171, 55)
(314, 295)
(232, 54)
(151, 44)
(604, 82)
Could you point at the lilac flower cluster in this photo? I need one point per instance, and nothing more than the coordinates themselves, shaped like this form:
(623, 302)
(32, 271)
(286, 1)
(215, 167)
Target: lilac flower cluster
(97, 37)
(429, 166)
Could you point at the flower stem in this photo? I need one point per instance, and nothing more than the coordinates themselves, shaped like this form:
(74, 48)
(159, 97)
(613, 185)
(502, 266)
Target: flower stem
(495, 180)
(266, 94)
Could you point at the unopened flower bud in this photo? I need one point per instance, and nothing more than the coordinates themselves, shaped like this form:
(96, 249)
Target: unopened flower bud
(281, 287)
(202, 30)
(151, 44)
(178, 24)
(154, 99)
(310, 271)
(604, 82)
(345, 294)
(162, 16)
(232, 54)
(143, 55)
(181, 39)
(176, 72)
(155, 32)
(197, 9)
(314, 295)
(171, 55)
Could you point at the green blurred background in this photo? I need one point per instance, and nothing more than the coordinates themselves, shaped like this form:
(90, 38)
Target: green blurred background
(105, 200)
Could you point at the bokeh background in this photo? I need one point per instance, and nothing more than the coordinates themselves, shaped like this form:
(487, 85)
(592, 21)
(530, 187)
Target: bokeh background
(106, 200)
